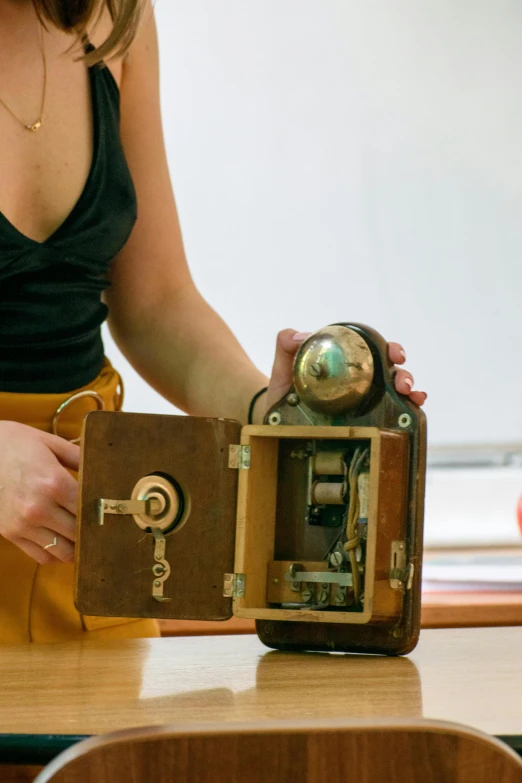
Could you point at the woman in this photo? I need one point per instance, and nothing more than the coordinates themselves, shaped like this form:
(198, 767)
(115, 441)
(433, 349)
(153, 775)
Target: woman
(80, 146)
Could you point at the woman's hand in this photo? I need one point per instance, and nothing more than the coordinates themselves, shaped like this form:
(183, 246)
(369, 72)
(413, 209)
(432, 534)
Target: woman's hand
(289, 342)
(38, 496)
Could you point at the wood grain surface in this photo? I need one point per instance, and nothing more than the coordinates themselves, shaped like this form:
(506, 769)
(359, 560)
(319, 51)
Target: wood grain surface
(337, 751)
(470, 676)
(115, 561)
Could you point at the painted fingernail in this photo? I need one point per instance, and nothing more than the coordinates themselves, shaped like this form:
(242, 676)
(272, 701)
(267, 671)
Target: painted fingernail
(403, 354)
(299, 337)
(409, 383)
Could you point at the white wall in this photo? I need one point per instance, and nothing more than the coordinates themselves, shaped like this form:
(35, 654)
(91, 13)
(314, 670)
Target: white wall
(357, 160)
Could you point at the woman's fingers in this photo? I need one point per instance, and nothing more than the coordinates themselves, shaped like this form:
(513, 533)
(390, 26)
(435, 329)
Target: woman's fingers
(404, 385)
(68, 454)
(288, 343)
(403, 379)
(43, 557)
(65, 492)
(403, 382)
(64, 524)
(418, 397)
(52, 543)
(396, 353)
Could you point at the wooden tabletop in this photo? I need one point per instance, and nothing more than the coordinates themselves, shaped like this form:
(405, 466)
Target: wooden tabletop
(471, 676)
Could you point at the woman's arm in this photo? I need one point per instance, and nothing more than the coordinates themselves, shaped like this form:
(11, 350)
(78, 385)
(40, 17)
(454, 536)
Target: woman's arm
(158, 319)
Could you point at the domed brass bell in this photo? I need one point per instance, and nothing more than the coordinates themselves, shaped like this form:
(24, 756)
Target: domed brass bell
(333, 370)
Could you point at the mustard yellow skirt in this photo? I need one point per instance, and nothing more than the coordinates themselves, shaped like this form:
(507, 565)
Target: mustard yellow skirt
(36, 601)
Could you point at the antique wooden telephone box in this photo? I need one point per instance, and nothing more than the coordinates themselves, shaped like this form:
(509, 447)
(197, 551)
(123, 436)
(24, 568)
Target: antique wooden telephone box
(311, 523)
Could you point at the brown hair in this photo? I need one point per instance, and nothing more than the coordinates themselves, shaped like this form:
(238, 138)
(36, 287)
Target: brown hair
(79, 15)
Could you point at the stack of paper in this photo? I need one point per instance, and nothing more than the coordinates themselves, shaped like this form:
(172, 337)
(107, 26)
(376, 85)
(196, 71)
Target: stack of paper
(473, 572)
(472, 507)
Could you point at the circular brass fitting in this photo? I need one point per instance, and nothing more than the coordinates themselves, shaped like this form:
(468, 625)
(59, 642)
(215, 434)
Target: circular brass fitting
(333, 370)
(164, 499)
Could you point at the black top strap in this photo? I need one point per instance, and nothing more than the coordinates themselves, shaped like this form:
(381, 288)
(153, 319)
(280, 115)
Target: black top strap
(87, 45)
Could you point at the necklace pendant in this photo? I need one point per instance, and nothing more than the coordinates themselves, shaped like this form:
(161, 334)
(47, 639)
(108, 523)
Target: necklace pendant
(35, 125)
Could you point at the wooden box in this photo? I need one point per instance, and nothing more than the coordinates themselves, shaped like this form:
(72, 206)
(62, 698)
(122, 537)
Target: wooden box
(268, 522)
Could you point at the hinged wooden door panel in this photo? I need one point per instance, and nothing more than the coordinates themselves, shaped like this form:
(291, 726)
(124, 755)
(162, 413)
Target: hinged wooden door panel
(115, 560)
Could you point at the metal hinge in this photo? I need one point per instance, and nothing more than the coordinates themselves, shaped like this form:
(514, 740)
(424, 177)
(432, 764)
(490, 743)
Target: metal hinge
(239, 457)
(234, 586)
(401, 572)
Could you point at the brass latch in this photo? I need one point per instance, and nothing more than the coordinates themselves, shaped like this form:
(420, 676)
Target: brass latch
(147, 507)
(239, 457)
(155, 506)
(234, 585)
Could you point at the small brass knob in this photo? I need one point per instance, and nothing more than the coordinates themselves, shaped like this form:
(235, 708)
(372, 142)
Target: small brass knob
(333, 370)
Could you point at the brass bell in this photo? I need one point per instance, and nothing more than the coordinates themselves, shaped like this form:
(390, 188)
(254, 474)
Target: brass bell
(333, 370)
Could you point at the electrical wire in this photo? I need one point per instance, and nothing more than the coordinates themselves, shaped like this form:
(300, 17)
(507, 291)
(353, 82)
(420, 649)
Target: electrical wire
(353, 539)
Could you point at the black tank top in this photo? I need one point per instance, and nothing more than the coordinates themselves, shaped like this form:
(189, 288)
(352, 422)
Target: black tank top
(50, 292)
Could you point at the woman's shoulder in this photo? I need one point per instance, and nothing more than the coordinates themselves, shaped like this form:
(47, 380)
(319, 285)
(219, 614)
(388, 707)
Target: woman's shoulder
(102, 28)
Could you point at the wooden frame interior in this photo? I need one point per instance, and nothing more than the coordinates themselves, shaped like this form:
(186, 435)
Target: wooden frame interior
(256, 518)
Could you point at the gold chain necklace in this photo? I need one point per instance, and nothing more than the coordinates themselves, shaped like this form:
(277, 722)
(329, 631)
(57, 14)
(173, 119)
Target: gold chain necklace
(34, 126)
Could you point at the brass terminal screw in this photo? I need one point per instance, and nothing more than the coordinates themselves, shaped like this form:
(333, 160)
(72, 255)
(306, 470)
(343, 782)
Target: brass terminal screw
(324, 594)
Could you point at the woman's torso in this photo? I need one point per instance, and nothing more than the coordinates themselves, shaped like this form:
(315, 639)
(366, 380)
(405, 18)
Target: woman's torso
(67, 206)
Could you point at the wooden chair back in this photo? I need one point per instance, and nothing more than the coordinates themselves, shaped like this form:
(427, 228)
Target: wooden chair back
(377, 751)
